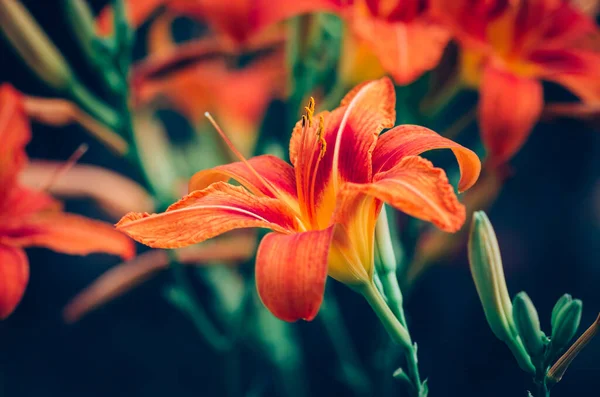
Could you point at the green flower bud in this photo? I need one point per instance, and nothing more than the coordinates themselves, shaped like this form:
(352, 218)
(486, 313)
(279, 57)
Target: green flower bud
(562, 302)
(33, 45)
(566, 324)
(488, 275)
(528, 324)
(82, 21)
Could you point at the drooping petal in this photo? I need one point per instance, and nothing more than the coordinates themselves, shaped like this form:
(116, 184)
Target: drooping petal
(412, 140)
(278, 174)
(340, 150)
(549, 24)
(416, 187)
(509, 108)
(577, 70)
(291, 271)
(204, 214)
(14, 275)
(69, 234)
(113, 192)
(405, 49)
(20, 202)
(15, 133)
(124, 277)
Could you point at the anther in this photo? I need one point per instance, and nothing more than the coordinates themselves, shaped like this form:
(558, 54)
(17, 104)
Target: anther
(320, 137)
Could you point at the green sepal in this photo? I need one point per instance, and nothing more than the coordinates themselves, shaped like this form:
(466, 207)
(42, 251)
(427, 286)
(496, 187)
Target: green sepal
(527, 322)
(566, 324)
(401, 374)
(560, 304)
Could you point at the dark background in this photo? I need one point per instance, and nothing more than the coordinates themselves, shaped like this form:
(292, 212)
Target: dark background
(547, 219)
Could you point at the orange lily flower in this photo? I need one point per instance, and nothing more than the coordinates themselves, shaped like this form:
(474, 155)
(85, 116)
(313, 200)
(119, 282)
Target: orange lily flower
(322, 209)
(30, 218)
(508, 47)
(401, 34)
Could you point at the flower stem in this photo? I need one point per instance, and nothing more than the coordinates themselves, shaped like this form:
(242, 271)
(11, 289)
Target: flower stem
(542, 390)
(93, 105)
(397, 332)
(352, 370)
(187, 301)
(435, 103)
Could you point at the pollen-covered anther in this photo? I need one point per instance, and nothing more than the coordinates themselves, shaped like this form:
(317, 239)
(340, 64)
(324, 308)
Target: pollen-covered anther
(310, 111)
(322, 142)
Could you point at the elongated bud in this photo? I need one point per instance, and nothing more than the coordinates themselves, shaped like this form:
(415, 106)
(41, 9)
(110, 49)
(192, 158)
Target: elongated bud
(560, 303)
(82, 21)
(32, 44)
(528, 324)
(488, 275)
(566, 324)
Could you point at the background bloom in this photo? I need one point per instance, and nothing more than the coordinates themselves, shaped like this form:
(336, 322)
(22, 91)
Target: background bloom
(507, 48)
(31, 218)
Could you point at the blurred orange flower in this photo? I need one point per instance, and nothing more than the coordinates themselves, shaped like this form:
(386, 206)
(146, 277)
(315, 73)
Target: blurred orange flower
(508, 47)
(207, 81)
(30, 218)
(322, 208)
(237, 20)
(401, 34)
(399, 37)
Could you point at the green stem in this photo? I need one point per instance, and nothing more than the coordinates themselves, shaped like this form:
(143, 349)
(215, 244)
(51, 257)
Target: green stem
(387, 266)
(542, 390)
(196, 312)
(433, 105)
(460, 124)
(93, 105)
(397, 332)
(354, 373)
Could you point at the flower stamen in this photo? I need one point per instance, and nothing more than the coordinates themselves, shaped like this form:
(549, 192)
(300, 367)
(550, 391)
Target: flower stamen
(322, 142)
(64, 168)
(310, 111)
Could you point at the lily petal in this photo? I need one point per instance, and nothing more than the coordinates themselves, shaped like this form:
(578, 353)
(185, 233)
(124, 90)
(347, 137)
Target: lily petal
(291, 271)
(69, 234)
(412, 140)
(21, 202)
(351, 256)
(204, 214)
(14, 135)
(115, 193)
(509, 108)
(406, 49)
(327, 156)
(14, 275)
(579, 74)
(277, 173)
(416, 187)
